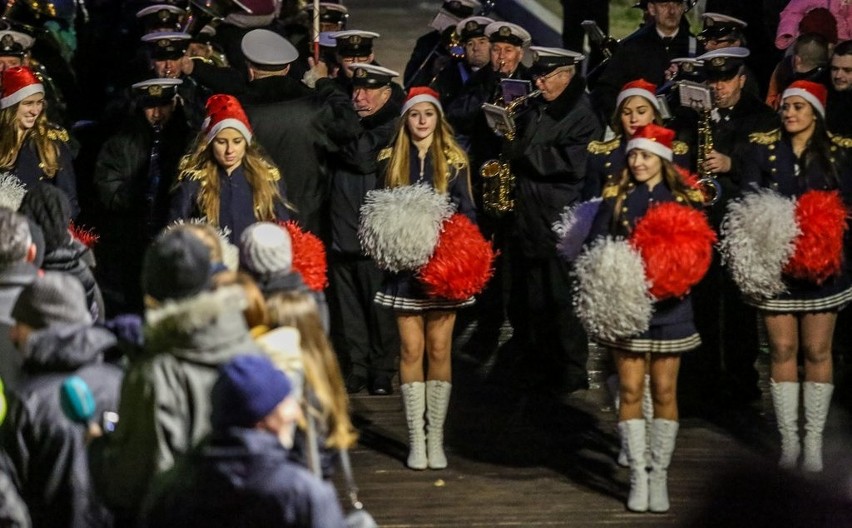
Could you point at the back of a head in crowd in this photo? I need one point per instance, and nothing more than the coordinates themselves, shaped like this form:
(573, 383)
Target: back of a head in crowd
(248, 389)
(15, 237)
(177, 265)
(49, 207)
(54, 299)
(266, 250)
(812, 51)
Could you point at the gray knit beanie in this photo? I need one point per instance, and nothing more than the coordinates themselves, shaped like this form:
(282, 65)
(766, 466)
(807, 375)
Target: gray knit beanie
(54, 299)
(266, 249)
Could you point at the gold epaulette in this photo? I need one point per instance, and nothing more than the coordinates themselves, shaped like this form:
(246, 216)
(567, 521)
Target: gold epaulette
(765, 138)
(384, 154)
(695, 196)
(604, 147)
(55, 133)
(609, 191)
(274, 173)
(680, 148)
(191, 174)
(454, 159)
(841, 141)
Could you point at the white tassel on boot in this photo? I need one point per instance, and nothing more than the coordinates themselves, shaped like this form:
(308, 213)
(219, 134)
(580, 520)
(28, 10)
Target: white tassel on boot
(785, 399)
(414, 403)
(663, 436)
(647, 413)
(817, 399)
(437, 402)
(633, 443)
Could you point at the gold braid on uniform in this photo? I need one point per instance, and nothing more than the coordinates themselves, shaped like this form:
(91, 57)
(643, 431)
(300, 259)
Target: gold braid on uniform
(840, 141)
(610, 190)
(604, 147)
(680, 148)
(57, 133)
(384, 154)
(765, 138)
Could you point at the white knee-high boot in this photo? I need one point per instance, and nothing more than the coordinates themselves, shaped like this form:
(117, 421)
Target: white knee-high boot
(633, 443)
(663, 436)
(414, 402)
(437, 402)
(817, 399)
(785, 399)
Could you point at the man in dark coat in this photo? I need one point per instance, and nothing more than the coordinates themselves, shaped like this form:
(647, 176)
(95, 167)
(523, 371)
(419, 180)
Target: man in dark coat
(839, 106)
(53, 332)
(458, 72)
(548, 158)
(363, 331)
(135, 170)
(647, 54)
(240, 475)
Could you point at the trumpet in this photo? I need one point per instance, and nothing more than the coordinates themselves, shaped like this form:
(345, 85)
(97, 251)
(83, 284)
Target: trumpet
(498, 182)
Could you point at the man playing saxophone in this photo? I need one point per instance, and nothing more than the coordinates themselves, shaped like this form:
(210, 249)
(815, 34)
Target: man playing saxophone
(548, 159)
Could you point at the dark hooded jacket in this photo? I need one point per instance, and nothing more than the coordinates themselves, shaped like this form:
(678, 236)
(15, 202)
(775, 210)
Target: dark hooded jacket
(47, 449)
(165, 398)
(13, 279)
(241, 477)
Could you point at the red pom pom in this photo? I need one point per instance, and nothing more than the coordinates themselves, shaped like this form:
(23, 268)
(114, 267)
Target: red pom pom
(308, 256)
(821, 216)
(85, 235)
(676, 244)
(462, 262)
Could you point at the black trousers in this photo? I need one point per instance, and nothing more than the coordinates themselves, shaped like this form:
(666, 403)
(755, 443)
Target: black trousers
(364, 334)
(555, 345)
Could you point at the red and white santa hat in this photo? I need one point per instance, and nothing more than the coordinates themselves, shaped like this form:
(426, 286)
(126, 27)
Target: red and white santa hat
(653, 138)
(18, 84)
(639, 87)
(812, 92)
(421, 94)
(224, 111)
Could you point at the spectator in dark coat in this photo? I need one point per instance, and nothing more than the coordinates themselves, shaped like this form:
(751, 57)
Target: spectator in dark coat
(240, 474)
(53, 332)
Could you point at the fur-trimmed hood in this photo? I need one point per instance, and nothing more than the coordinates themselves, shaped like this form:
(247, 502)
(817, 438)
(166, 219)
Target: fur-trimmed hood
(201, 328)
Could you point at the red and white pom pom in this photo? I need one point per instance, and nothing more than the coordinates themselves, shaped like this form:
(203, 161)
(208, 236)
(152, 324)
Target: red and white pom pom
(462, 262)
(84, 235)
(676, 244)
(821, 216)
(309, 257)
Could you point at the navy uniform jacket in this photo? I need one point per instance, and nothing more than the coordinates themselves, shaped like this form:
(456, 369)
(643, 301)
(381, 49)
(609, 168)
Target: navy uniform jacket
(27, 167)
(548, 158)
(236, 205)
(607, 159)
(452, 79)
(773, 165)
(355, 173)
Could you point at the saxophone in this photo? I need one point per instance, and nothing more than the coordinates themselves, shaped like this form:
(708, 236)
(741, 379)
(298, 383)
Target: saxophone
(498, 182)
(707, 182)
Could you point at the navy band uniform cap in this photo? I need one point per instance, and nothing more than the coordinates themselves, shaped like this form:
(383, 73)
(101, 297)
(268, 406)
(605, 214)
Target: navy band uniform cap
(545, 60)
(354, 42)
(330, 13)
(15, 43)
(508, 32)
(155, 92)
(167, 45)
(717, 25)
(724, 62)
(688, 66)
(371, 76)
(267, 49)
(161, 16)
(472, 27)
(460, 8)
(326, 40)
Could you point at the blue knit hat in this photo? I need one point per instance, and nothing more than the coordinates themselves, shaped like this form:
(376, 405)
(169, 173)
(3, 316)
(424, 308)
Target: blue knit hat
(248, 389)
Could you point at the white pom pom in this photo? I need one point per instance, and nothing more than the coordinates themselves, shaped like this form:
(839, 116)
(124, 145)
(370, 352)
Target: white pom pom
(573, 227)
(612, 297)
(12, 191)
(758, 235)
(400, 226)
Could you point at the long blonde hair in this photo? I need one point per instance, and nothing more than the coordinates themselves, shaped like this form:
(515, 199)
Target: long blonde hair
(322, 372)
(446, 153)
(260, 173)
(10, 142)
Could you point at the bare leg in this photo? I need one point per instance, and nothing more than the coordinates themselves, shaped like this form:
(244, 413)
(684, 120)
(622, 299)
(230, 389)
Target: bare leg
(439, 344)
(783, 333)
(664, 370)
(412, 344)
(631, 377)
(817, 330)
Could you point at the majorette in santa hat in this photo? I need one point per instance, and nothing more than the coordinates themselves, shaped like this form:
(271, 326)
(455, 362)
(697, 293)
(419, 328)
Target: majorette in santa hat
(19, 83)
(421, 94)
(814, 93)
(224, 111)
(618, 280)
(639, 87)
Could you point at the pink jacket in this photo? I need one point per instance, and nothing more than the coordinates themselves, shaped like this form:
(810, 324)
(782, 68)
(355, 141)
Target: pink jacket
(788, 28)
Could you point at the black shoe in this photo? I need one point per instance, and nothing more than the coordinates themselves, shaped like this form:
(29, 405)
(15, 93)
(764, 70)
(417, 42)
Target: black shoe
(381, 386)
(355, 383)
